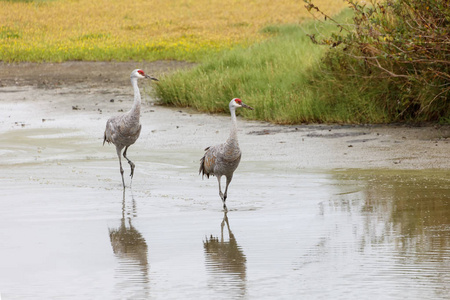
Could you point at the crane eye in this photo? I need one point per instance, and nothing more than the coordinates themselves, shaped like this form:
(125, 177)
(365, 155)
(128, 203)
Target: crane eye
(238, 101)
(141, 72)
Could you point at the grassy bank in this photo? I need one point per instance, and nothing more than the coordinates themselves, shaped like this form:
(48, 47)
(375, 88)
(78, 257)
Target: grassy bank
(291, 80)
(55, 30)
(277, 77)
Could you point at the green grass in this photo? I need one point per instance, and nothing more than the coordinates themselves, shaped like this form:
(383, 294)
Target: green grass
(279, 77)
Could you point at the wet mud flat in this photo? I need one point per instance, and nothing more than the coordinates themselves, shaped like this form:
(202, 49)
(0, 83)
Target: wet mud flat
(315, 211)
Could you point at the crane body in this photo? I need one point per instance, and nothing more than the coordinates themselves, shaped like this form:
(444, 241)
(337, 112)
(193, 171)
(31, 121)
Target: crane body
(124, 130)
(223, 159)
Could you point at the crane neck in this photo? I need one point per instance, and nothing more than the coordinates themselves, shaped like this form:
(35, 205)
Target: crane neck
(137, 97)
(233, 131)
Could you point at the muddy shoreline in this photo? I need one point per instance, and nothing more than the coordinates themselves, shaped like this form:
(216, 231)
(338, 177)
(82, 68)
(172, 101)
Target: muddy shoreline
(89, 74)
(96, 90)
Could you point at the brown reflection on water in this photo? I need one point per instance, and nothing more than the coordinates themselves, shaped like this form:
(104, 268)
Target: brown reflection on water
(225, 262)
(131, 249)
(406, 213)
(413, 205)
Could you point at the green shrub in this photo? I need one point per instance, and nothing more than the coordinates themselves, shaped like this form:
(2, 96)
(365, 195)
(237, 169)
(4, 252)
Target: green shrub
(398, 53)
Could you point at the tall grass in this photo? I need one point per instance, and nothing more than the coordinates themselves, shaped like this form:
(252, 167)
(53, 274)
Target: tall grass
(277, 76)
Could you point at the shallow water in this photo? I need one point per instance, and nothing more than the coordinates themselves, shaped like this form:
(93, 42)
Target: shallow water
(67, 231)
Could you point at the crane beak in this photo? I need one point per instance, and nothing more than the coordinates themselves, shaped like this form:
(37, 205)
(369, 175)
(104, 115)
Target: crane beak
(246, 106)
(150, 77)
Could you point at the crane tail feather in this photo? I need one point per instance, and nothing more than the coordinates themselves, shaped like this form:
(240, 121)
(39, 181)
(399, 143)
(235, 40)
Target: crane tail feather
(202, 169)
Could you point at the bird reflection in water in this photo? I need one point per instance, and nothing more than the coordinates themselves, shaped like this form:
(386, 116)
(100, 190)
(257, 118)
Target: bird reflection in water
(225, 262)
(130, 248)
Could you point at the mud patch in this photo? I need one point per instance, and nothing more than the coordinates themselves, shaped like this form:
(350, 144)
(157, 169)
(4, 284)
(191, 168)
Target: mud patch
(92, 74)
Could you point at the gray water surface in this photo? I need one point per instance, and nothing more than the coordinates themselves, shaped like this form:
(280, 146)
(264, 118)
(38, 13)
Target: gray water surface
(67, 231)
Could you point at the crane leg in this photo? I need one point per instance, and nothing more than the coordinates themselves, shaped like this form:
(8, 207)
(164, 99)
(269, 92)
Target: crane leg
(220, 191)
(120, 163)
(129, 161)
(226, 190)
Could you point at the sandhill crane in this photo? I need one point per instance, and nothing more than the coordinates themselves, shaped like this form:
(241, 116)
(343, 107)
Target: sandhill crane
(124, 130)
(223, 159)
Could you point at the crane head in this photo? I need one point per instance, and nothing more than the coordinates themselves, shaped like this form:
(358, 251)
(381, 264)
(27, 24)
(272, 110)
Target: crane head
(138, 73)
(236, 102)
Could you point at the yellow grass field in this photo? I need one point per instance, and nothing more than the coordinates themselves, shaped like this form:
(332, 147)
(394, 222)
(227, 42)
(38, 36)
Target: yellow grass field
(139, 30)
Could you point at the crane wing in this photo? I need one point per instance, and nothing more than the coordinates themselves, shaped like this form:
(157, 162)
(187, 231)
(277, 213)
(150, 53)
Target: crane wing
(208, 161)
(110, 130)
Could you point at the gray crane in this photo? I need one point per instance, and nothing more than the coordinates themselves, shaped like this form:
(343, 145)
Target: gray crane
(124, 130)
(223, 159)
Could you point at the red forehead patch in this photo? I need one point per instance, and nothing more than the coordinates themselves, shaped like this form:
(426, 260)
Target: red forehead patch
(141, 72)
(238, 101)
